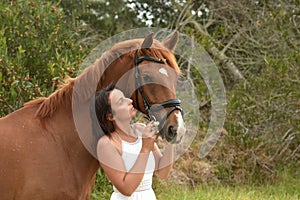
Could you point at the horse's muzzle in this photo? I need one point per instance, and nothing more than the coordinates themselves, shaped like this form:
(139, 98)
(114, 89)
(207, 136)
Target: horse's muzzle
(171, 135)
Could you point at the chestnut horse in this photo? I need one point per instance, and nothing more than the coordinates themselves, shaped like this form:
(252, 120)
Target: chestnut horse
(43, 154)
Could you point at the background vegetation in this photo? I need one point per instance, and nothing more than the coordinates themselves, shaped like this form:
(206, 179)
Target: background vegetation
(255, 44)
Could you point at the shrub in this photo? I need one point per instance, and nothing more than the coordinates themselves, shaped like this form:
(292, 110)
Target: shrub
(263, 124)
(37, 50)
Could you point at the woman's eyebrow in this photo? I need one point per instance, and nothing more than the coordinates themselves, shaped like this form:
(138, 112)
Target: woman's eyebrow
(120, 99)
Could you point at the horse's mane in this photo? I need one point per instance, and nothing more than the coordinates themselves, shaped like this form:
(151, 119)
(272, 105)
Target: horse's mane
(47, 105)
(63, 96)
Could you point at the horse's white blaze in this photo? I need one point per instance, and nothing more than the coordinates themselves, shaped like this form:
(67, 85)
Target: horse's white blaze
(163, 71)
(181, 125)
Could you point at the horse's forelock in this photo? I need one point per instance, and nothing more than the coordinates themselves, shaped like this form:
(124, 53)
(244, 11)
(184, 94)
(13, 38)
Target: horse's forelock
(172, 61)
(157, 50)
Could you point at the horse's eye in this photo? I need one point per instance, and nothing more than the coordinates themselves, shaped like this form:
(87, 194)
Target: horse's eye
(147, 78)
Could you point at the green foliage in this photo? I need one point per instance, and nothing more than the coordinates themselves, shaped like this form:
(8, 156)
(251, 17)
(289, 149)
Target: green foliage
(98, 20)
(103, 188)
(263, 124)
(37, 50)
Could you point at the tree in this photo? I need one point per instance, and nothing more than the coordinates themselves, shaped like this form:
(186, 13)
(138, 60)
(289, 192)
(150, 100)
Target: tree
(256, 41)
(98, 20)
(37, 50)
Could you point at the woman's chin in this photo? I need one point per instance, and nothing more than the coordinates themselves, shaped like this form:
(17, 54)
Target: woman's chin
(133, 113)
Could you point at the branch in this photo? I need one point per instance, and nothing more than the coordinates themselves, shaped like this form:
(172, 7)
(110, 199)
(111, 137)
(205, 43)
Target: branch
(182, 14)
(228, 63)
(220, 55)
(230, 42)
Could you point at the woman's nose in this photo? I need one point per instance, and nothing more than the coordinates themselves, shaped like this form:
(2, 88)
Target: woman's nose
(129, 101)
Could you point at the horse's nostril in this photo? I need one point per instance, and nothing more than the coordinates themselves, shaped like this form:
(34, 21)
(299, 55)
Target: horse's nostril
(172, 132)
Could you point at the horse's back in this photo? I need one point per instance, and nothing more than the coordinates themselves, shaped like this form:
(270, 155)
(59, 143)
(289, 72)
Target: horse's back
(32, 161)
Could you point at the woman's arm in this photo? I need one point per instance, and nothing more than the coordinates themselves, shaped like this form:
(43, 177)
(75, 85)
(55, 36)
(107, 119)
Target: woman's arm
(114, 168)
(164, 162)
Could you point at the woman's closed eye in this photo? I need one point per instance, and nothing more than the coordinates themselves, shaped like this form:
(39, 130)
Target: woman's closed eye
(121, 101)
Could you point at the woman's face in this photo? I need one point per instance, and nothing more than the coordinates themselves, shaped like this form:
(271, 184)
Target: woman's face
(122, 107)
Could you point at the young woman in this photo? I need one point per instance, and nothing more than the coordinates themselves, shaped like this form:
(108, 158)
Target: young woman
(127, 152)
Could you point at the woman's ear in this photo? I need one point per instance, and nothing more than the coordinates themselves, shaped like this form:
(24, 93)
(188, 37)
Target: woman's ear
(110, 117)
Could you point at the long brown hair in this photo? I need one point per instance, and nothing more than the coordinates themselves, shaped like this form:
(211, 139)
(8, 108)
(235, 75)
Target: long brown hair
(103, 109)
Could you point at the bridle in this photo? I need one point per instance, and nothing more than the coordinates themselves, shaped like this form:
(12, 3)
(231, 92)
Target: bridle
(174, 104)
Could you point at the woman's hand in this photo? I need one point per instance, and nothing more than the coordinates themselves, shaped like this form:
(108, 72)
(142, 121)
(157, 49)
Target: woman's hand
(149, 136)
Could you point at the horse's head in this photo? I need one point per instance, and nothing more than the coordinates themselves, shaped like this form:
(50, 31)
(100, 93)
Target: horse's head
(148, 73)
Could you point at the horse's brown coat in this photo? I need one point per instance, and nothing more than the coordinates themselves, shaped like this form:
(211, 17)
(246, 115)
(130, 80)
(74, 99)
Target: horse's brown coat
(41, 154)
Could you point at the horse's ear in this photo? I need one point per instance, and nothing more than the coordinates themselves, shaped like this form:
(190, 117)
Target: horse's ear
(148, 41)
(171, 42)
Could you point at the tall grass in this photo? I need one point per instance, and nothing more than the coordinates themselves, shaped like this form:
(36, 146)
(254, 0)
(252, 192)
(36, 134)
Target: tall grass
(286, 188)
(274, 192)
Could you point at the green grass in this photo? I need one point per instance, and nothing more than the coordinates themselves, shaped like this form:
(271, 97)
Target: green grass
(286, 188)
(273, 192)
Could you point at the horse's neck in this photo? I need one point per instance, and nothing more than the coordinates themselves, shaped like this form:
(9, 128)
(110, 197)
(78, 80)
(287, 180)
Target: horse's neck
(87, 82)
(83, 162)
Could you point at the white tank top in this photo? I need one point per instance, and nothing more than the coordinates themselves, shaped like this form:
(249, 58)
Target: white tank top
(130, 152)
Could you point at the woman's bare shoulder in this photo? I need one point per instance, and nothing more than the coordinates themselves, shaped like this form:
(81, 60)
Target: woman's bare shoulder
(103, 140)
(105, 143)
